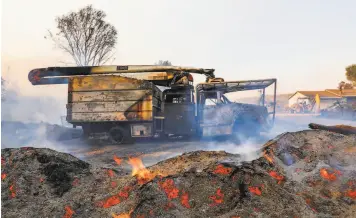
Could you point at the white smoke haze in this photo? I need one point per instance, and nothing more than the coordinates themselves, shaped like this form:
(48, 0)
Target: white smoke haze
(32, 109)
(250, 149)
(31, 121)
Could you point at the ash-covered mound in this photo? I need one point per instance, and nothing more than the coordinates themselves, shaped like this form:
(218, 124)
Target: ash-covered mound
(302, 174)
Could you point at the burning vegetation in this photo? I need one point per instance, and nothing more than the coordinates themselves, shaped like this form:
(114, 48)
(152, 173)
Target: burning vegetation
(302, 174)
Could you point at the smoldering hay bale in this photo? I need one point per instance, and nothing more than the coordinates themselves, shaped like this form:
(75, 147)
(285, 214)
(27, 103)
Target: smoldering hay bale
(302, 174)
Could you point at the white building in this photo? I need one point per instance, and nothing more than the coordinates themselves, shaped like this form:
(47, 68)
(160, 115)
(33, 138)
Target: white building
(327, 98)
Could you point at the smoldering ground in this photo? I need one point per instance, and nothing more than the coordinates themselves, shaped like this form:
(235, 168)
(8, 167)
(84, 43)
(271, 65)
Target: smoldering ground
(35, 122)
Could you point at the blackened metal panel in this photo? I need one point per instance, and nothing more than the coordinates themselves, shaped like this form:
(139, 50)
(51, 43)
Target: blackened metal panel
(179, 118)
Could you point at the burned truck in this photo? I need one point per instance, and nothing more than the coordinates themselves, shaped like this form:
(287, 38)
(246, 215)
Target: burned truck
(123, 103)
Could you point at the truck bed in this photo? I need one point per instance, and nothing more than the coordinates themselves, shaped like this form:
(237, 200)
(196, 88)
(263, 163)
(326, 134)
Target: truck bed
(110, 98)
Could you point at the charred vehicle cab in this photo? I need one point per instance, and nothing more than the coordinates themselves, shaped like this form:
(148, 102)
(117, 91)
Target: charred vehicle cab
(121, 103)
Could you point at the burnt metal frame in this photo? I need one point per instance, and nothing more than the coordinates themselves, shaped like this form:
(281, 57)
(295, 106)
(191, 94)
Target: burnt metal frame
(60, 75)
(248, 85)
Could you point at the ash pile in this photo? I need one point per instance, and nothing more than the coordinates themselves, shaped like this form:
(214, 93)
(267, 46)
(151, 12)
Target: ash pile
(310, 173)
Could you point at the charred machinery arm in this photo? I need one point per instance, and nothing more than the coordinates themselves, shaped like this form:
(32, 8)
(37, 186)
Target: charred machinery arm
(60, 75)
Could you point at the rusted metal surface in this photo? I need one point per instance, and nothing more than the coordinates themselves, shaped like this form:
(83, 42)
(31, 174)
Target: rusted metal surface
(141, 130)
(118, 95)
(110, 116)
(84, 107)
(233, 86)
(109, 99)
(97, 83)
(59, 75)
(179, 118)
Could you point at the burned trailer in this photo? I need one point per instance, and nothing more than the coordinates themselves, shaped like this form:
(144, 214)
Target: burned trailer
(218, 116)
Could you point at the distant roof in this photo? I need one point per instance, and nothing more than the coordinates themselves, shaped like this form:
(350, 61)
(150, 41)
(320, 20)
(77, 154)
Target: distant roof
(329, 93)
(322, 94)
(345, 92)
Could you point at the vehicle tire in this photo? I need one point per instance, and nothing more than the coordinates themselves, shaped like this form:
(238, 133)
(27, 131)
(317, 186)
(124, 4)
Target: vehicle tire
(119, 135)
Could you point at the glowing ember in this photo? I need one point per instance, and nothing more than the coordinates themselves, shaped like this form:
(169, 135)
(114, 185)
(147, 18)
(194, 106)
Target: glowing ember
(116, 199)
(139, 170)
(125, 192)
(218, 198)
(113, 200)
(169, 188)
(69, 212)
(113, 184)
(351, 194)
(184, 199)
(123, 215)
(3, 176)
(255, 190)
(269, 158)
(326, 175)
(110, 173)
(275, 175)
(220, 169)
(117, 160)
(12, 191)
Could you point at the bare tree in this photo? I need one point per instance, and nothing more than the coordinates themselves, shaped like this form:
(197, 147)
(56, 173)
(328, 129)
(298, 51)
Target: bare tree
(164, 63)
(85, 36)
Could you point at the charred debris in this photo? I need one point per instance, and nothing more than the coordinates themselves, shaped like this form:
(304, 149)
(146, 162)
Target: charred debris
(310, 173)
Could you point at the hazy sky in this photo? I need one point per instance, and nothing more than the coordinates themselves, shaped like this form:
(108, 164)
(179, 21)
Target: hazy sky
(305, 44)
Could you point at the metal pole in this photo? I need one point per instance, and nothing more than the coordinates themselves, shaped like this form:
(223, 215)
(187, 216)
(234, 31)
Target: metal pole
(274, 103)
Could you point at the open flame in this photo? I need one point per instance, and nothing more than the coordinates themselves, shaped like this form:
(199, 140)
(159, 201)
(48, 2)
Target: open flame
(69, 212)
(3, 176)
(139, 170)
(269, 158)
(328, 176)
(123, 215)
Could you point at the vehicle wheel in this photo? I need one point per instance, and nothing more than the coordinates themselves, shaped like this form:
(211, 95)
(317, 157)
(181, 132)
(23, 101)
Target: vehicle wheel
(118, 135)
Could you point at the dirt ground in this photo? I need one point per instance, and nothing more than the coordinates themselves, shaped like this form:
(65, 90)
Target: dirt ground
(155, 151)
